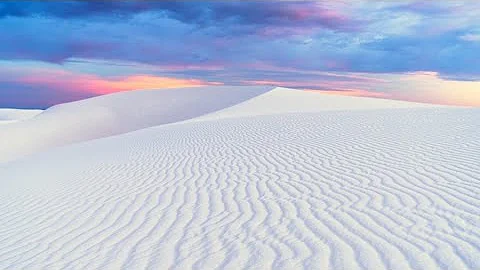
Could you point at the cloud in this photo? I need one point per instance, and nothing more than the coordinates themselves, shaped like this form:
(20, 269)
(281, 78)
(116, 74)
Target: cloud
(328, 45)
(430, 87)
(45, 85)
(92, 84)
(40, 85)
(202, 14)
(306, 35)
(422, 7)
(154, 32)
(470, 37)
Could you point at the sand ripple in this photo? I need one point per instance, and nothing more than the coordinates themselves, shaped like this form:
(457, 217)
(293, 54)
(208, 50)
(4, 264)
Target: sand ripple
(386, 189)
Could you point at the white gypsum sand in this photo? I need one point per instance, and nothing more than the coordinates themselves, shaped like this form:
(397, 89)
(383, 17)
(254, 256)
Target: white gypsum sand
(124, 112)
(8, 116)
(259, 185)
(114, 114)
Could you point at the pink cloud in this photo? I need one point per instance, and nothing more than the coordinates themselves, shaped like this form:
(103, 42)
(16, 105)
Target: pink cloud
(93, 84)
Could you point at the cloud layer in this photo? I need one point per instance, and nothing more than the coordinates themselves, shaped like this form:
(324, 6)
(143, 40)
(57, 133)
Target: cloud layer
(240, 42)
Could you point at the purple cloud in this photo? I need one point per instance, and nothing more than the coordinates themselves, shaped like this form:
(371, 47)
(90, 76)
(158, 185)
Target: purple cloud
(245, 41)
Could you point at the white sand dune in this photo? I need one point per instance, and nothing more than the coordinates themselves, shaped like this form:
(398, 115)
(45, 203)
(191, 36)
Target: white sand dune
(284, 100)
(261, 189)
(129, 111)
(114, 114)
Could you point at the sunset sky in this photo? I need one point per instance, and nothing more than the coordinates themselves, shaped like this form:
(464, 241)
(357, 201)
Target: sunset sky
(58, 51)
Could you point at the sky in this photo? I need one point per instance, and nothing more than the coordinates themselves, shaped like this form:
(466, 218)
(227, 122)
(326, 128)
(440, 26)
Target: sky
(59, 51)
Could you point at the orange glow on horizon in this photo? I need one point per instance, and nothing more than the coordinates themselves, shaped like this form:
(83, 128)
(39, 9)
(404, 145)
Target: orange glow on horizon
(431, 88)
(97, 85)
(424, 86)
(102, 86)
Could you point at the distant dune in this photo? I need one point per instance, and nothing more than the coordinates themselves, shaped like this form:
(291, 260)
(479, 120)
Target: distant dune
(241, 178)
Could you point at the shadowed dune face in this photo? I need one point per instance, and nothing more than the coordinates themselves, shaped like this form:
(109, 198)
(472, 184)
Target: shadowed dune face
(330, 190)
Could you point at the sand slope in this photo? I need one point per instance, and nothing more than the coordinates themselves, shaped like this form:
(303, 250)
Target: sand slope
(364, 189)
(284, 100)
(129, 111)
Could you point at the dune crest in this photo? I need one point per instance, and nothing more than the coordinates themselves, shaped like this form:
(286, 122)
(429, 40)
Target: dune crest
(115, 114)
(285, 100)
(124, 112)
